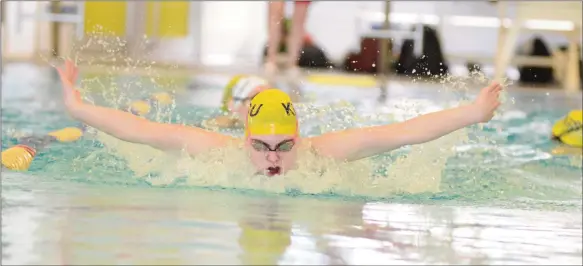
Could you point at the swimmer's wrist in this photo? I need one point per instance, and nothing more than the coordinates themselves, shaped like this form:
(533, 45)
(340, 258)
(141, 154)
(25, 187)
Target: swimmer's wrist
(72, 107)
(76, 109)
(473, 112)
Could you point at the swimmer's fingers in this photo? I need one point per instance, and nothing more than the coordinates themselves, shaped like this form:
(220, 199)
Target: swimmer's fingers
(75, 73)
(494, 87)
(60, 71)
(497, 104)
(63, 76)
(69, 65)
(496, 92)
(71, 71)
(68, 74)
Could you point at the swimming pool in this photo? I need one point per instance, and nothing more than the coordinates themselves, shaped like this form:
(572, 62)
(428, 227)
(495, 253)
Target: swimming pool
(503, 197)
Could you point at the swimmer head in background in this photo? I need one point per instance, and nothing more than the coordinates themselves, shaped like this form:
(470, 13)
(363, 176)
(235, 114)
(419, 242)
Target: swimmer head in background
(569, 130)
(239, 93)
(271, 132)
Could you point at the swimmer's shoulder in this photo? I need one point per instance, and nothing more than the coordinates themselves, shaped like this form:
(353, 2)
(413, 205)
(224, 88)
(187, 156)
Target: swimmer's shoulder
(307, 148)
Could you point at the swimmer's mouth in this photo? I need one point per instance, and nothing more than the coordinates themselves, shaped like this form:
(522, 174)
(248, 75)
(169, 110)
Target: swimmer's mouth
(271, 171)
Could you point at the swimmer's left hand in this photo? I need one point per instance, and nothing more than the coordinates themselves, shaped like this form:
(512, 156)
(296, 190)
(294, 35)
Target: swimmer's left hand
(487, 102)
(68, 75)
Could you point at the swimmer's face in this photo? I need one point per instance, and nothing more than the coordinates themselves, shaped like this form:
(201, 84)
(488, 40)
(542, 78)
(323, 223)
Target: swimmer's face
(273, 154)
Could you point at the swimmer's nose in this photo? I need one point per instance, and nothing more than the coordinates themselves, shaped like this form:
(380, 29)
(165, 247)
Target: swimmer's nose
(272, 157)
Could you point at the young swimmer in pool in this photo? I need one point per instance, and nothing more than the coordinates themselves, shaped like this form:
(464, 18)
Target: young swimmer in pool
(271, 133)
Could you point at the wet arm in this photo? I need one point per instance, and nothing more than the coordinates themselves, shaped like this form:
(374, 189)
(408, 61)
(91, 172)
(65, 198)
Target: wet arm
(131, 128)
(354, 144)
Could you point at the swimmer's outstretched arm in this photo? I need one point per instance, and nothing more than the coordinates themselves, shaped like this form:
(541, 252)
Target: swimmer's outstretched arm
(131, 128)
(354, 144)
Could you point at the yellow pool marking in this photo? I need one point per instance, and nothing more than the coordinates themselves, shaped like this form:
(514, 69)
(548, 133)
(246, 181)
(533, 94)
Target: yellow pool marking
(360, 81)
(107, 17)
(167, 19)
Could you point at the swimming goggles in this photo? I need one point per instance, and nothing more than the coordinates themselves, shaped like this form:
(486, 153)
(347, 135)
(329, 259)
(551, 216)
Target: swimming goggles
(284, 146)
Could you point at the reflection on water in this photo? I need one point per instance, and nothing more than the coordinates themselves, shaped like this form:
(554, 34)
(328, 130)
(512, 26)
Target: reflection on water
(113, 225)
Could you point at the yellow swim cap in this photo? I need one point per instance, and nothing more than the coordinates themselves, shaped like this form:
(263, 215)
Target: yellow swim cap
(569, 129)
(228, 92)
(271, 112)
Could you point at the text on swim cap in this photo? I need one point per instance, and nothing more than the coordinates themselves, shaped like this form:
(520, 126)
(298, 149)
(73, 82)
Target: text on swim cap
(287, 107)
(252, 111)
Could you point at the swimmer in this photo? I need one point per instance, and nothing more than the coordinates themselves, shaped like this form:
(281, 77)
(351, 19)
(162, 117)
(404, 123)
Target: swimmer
(271, 128)
(237, 95)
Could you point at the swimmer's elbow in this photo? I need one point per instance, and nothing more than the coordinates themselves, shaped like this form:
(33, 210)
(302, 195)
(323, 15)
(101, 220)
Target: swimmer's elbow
(356, 144)
(406, 133)
(419, 137)
(350, 147)
(380, 140)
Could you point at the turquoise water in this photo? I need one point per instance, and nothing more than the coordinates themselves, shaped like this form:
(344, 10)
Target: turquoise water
(504, 197)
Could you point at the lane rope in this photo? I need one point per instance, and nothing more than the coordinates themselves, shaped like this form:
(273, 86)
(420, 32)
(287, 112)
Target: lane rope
(20, 156)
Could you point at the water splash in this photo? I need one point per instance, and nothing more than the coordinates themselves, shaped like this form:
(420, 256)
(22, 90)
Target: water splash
(419, 169)
(416, 172)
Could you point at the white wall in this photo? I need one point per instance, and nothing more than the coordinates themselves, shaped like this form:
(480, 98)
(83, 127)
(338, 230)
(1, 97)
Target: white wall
(336, 31)
(176, 50)
(233, 32)
(459, 40)
(18, 42)
(237, 29)
(221, 33)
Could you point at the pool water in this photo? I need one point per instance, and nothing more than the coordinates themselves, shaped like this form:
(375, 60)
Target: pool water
(503, 197)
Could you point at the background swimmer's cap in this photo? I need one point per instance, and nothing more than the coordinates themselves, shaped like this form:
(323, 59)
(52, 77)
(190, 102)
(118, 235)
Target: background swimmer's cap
(228, 92)
(569, 130)
(241, 86)
(271, 112)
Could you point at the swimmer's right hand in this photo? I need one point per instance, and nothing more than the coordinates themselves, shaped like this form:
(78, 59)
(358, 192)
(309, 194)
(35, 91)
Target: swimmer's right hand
(68, 74)
(486, 103)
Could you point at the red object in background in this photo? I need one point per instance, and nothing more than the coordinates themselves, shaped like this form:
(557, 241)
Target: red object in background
(302, 2)
(308, 40)
(367, 59)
